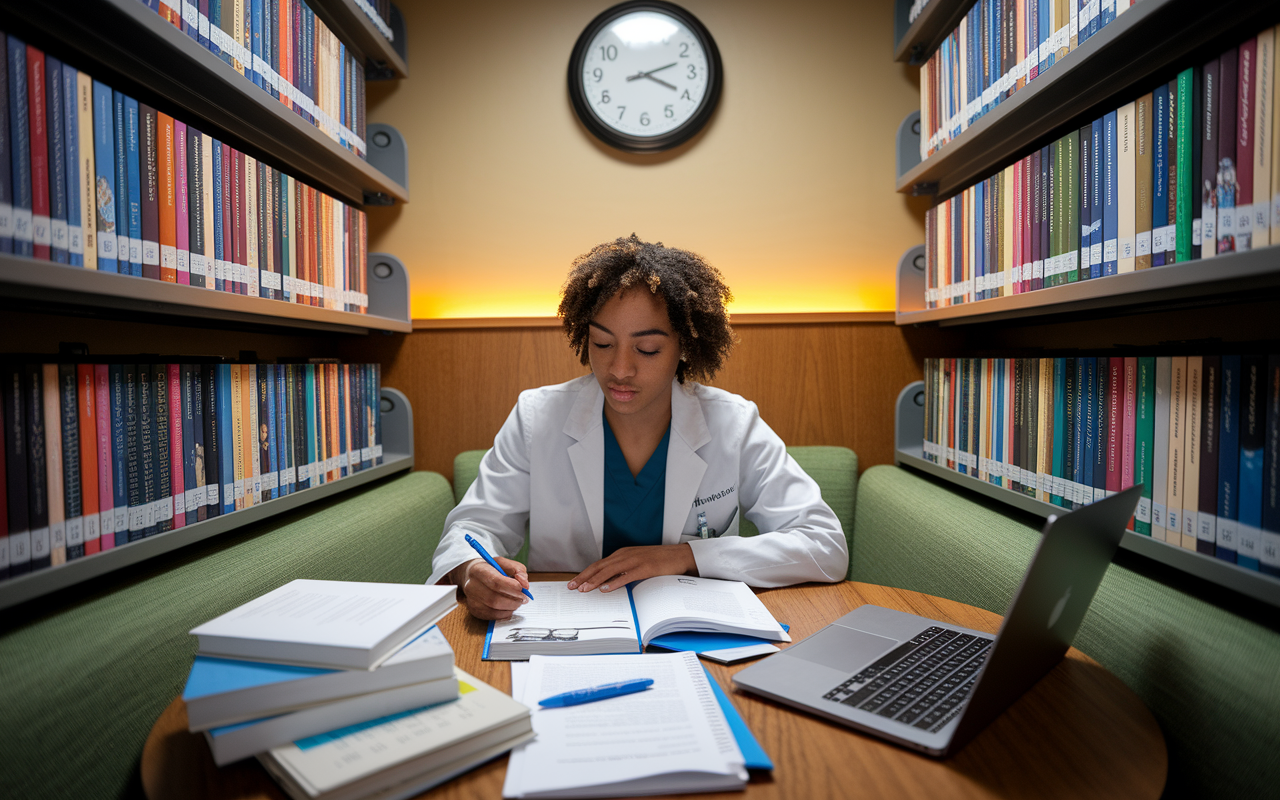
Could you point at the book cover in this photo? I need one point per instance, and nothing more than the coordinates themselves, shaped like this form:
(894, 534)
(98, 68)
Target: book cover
(1264, 100)
(1191, 451)
(150, 193)
(17, 488)
(104, 180)
(1108, 189)
(51, 392)
(1159, 173)
(1225, 178)
(167, 472)
(1245, 73)
(166, 178)
(1177, 449)
(56, 127)
(1144, 186)
(1269, 560)
(6, 202)
(37, 124)
(19, 148)
(137, 385)
(1172, 185)
(1210, 419)
(135, 167)
(1211, 90)
(195, 206)
(68, 390)
(181, 208)
(102, 449)
(1228, 460)
(190, 467)
(123, 447)
(1144, 424)
(1184, 200)
(78, 97)
(1160, 451)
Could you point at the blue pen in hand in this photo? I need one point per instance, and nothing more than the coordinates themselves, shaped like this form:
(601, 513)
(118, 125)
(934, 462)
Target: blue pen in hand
(485, 555)
(595, 693)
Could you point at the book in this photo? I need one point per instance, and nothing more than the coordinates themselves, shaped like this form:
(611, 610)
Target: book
(17, 487)
(561, 621)
(1160, 128)
(1143, 186)
(561, 762)
(223, 691)
(1225, 177)
(54, 476)
(338, 624)
(87, 169)
(1253, 429)
(1177, 449)
(182, 211)
(1210, 418)
(1212, 91)
(121, 165)
(1228, 460)
(55, 126)
(6, 166)
(1143, 457)
(1191, 451)
(1126, 187)
(1264, 100)
(133, 170)
(69, 431)
(102, 446)
(1244, 112)
(166, 183)
(37, 124)
(231, 743)
(20, 147)
(104, 191)
(1183, 201)
(1269, 557)
(403, 753)
(121, 475)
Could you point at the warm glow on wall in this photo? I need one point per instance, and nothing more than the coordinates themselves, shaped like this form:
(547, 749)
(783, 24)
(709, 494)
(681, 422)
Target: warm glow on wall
(788, 191)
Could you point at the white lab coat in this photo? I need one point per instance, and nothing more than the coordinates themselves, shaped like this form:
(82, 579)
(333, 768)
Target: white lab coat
(546, 469)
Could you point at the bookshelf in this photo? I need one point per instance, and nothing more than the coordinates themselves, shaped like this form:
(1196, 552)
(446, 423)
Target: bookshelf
(128, 46)
(385, 60)
(167, 63)
(397, 457)
(1139, 48)
(1191, 306)
(909, 433)
(914, 41)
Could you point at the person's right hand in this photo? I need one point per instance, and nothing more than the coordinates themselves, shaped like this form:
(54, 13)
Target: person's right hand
(487, 593)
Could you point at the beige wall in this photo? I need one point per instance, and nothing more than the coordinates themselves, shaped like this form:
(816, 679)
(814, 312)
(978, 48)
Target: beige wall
(789, 189)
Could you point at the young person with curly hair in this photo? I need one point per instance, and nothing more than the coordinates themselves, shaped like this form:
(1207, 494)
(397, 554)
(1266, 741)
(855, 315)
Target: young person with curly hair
(638, 469)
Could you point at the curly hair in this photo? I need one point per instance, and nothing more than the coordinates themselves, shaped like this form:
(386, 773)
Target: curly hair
(693, 290)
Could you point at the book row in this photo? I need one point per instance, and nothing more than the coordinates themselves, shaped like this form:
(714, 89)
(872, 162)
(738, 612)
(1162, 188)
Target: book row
(98, 455)
(1200, 434)
(1000, 47)
(1187, 171)
(91, 177)
(287, 52)
(379, 11)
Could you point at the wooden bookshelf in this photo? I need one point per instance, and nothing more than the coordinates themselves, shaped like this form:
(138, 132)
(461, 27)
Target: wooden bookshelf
(1139, 49)
(1217, 279)
(909, 452)
(132, 41)
(24, 281)
(936, 22)
(354, 27)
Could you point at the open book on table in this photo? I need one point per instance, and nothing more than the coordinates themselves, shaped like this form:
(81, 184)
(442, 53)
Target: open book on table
(561, 621)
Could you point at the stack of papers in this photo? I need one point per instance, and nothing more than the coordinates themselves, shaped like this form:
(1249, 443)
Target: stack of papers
(404, 754)
(313, 656)
(673, 737)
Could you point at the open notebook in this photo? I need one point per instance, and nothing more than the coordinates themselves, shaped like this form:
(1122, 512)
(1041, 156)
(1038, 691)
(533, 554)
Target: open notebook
(561, 621)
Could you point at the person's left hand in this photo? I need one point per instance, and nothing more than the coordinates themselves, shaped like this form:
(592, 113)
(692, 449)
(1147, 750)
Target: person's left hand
(629, 564)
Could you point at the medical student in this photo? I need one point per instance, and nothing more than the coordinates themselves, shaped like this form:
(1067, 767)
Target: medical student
(638, 469)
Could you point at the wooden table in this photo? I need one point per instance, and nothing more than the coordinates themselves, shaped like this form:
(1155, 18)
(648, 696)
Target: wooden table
(1080, 732)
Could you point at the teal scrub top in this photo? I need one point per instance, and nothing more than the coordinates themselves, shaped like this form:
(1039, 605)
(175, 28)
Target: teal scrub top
(633, 506)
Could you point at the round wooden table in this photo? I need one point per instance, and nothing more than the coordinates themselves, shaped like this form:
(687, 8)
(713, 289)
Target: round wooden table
(1079, 732)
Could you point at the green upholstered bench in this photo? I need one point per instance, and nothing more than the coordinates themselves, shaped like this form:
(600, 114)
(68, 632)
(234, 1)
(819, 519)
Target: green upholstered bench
(1205, 662)
(86, 672)
(834, 468)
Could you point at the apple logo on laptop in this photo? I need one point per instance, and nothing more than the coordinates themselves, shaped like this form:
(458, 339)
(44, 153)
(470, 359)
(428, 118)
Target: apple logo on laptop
(1057, 609)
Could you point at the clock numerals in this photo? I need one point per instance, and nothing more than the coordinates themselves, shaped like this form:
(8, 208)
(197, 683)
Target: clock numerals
(644, 119)
(684, 49)
(621, 110)
(686, 96)
(693, 72)
(609, 52)
(598, 74)
(604, 96)
(668, 112)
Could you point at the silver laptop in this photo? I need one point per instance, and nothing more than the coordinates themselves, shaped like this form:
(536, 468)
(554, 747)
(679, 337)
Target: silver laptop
(932, 686)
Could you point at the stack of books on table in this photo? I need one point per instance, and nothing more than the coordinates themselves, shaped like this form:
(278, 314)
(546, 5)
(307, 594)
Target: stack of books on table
(315, 666)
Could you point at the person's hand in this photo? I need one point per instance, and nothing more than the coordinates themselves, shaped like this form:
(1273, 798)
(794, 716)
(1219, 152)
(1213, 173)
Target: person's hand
(630, 564)
(487, 593)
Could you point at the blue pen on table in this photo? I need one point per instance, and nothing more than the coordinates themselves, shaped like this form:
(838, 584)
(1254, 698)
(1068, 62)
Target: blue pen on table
(595, 693)
(485, 555)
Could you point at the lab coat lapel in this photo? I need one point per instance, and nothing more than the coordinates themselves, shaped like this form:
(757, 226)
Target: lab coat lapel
(587, 455)
(685, 467)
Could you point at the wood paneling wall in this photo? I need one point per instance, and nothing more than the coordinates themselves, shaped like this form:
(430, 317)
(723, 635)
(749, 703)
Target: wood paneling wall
(831, 383)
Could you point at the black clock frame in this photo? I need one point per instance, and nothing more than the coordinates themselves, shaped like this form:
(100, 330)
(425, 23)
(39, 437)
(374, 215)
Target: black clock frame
(645, 144)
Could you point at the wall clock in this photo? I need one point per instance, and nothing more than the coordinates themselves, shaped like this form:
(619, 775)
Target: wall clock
(645, 76)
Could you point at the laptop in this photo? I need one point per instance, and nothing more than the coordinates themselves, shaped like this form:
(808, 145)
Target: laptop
(932, 686)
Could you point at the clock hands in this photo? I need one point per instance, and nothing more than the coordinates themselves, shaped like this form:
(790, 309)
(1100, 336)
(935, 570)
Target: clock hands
(649, 75)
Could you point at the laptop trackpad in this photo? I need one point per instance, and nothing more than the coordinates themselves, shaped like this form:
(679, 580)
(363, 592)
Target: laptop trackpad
(840, 648)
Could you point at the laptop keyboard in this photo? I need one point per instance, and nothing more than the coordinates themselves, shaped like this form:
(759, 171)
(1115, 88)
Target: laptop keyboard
(923, 682)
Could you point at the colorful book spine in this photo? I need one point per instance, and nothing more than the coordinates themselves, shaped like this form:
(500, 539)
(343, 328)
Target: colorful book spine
(167, 199)
(102, 446)
(1264, 101)
(1210, 419)
(133, 170)
(20, 148)
(1269, 558)
(55, 124)
(52, 408)
(176, 452)
(88, 438)
(1182, 158)
(1211, 89)
(1191, 451)
(123, 382)
(1126, 187)
(1227, 533)
(1225, 178)
(69, 432)
(6, 190)
(104, 193)
(1144, 185)
(1244, 113)
(181, 205)
(37, 124)
(1110, 204)
(1144, 424)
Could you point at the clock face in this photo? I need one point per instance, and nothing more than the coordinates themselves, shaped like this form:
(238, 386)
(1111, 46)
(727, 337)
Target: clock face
(645, 76)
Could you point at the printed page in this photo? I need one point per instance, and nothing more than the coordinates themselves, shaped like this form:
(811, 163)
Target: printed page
(703, 604)
(341, 613)
(559, 614)
(675, 728)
